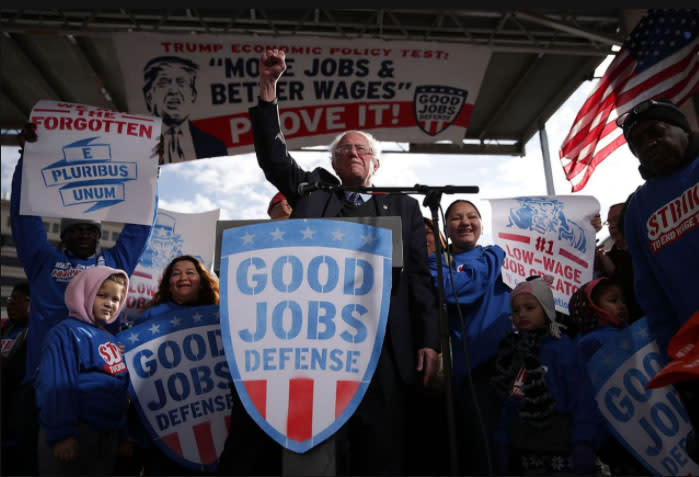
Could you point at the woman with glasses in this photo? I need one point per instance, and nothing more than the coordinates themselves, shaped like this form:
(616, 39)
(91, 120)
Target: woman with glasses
(616, 262)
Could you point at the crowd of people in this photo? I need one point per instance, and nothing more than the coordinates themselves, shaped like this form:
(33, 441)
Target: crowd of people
(523, 401)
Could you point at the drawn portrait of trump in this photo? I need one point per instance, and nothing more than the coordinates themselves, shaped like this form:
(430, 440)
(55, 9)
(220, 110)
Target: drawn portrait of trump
(169, 88)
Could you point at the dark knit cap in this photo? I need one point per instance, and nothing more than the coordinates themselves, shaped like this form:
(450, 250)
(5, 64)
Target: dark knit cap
(68, 223)
(660, 109)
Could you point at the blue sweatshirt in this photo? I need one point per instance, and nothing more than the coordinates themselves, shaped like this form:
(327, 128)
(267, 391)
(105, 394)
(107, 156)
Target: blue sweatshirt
(590, 342)
(569, 384)
(81, 377)
(662, 234)
(157, 310)
(484, 300)
(49, 270)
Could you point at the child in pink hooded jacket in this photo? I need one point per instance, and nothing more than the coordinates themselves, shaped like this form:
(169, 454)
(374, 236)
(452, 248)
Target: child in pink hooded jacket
(82, 381)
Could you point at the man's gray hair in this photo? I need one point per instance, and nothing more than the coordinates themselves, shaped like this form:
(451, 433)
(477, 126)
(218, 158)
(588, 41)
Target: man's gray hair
(373, 143)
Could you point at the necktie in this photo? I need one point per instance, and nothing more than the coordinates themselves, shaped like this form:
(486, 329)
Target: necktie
(175, 149)
(356, 199)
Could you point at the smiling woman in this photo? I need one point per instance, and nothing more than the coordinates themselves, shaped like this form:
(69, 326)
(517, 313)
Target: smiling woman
(479, 317)
(185, 282)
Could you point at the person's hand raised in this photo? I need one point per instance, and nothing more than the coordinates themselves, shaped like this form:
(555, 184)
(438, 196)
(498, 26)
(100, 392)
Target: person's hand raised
(28, 134)
(272, 66)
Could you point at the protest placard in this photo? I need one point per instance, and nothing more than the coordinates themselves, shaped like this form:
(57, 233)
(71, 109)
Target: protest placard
(547, 235)
(174, 234)
(651, 423)
(304, 306)
(90, 163)
(180, 383)
(397, 90)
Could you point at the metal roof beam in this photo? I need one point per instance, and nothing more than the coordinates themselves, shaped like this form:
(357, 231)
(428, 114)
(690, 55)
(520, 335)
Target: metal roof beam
(335, 23)
(87, 57)
(457, 21)
(501, 46)
(512, 92)
(568, 28)
(9, 139)
(301, 22)
(515, 149)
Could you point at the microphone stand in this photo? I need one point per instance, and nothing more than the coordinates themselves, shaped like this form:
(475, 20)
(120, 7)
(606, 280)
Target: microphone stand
(432, 200)
(433, 197)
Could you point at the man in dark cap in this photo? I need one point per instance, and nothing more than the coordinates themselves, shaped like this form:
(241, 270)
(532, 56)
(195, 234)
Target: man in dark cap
(80, 236)
(661, 221)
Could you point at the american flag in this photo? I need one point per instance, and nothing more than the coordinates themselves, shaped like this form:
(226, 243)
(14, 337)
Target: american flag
(660, 58)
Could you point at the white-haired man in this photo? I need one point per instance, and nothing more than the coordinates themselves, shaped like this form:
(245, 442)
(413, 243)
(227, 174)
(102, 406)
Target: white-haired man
(373, 441)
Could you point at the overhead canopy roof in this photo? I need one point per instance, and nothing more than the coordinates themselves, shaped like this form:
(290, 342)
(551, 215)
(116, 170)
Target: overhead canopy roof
(539, 57)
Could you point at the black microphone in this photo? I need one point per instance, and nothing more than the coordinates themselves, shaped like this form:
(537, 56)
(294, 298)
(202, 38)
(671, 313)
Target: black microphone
(307, 187)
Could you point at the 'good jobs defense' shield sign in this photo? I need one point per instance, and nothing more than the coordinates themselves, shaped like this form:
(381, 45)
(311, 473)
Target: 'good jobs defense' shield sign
(180, 383)
(303, 316)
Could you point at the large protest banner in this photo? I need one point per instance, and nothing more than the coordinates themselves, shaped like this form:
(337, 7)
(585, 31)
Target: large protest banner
(304, 306)
(180, 383)
(90, 163)
(547, 235)
(651, 423)
(399, 91)
(174, 234)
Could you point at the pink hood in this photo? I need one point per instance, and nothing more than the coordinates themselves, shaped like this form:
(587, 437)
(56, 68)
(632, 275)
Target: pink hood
(82, 290)
(604, 317)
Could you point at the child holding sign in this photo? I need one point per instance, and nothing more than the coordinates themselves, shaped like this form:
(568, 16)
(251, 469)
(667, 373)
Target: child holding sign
(549, 421)
(81, 386)
(598, 311)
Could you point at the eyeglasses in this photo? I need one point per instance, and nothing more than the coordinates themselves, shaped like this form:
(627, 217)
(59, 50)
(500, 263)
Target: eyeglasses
(361, 149)
(627, 119)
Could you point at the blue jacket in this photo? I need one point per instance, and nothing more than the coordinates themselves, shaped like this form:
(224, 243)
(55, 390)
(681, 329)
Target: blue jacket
(157, 310)
(590, 342)
(81, 377)
(569, 384)
(484, 300)
(49, 270)
(662, 234)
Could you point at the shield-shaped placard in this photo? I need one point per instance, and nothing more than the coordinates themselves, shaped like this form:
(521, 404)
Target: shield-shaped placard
(437, 106)
(304, 305)
(180, 383)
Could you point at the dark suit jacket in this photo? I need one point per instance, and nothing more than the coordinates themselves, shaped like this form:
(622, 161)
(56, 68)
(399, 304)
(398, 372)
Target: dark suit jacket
(206, 145)
(413, 318)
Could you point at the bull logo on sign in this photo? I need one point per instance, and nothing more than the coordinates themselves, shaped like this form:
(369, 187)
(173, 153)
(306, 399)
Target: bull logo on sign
(436, 107)
(304, 306)
(543, 215)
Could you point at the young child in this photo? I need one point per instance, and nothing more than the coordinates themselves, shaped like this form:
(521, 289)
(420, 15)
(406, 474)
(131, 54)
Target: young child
(549, 421)
(598, 310)
(81, 383)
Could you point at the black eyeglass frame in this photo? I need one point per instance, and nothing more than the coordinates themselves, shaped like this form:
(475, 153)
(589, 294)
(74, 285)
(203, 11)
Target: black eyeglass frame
(642, 107)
